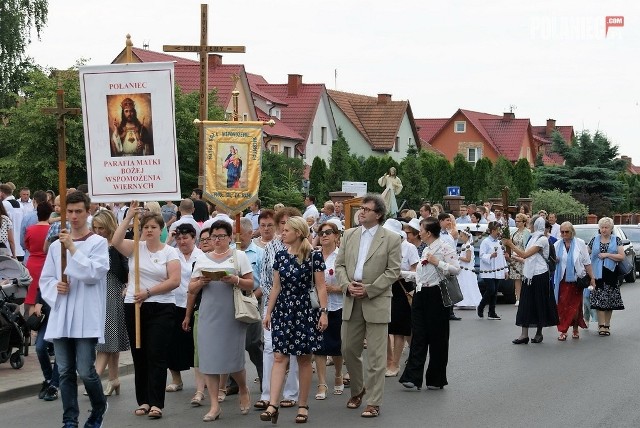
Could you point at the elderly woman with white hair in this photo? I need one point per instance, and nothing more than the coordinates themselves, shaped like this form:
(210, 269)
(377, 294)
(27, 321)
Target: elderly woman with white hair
(537, 305)
(606, 251)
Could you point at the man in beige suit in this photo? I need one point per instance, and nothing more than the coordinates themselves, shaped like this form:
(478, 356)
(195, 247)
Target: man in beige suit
(367, 264)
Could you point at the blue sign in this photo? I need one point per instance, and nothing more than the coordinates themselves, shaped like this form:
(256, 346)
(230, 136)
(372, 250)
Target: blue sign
(453, 191)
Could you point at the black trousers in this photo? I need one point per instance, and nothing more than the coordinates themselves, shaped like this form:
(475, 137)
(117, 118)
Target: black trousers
(430, 327)
(150, 361)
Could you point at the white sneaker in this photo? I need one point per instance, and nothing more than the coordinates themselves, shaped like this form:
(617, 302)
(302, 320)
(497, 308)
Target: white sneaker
(517, 303)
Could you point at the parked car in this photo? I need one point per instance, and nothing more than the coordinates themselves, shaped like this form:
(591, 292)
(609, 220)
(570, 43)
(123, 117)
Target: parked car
(507, 288)
(588, 231)
(633, 234)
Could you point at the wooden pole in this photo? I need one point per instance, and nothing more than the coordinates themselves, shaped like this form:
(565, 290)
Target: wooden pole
(136, 264)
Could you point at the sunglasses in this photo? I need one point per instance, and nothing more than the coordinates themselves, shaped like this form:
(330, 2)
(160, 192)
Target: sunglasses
(325, 232)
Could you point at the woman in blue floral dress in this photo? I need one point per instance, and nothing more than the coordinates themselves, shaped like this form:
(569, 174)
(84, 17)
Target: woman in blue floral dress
(296, 328)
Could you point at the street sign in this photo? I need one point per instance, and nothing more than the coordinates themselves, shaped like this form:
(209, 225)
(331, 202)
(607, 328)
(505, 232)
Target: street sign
(196, 48)
(453, 191)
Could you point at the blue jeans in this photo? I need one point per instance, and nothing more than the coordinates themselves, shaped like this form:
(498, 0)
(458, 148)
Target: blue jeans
(77, 357)
(490, 295)
(50, 374)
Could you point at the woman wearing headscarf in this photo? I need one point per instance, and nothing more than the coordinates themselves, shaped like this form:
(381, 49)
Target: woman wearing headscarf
(573, 263)
(537, 304)
(606, 250)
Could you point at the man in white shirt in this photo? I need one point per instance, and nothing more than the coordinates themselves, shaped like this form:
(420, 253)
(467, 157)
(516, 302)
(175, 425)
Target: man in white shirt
(25, 201)
(309, 203)
(253, 215)
(555, 227)
(186, 216)
(464, 215)
(490, 215)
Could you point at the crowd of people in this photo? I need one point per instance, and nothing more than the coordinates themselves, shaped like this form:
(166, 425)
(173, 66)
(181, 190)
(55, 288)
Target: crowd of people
(377, 287)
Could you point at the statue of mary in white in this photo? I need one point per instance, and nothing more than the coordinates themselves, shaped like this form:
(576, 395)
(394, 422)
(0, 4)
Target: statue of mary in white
(393, 186)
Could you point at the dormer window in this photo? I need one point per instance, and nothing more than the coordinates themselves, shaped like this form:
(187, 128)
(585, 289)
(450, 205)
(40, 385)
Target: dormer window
(460, 126)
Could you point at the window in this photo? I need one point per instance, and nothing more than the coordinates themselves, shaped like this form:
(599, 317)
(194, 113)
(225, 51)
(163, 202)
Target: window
(245, 117)
(323, 135)
(410, 141)
(287, 151)
(311, 142)
(474, 154)
(275, 113)
(273, 148)
(228, 116)
(460, 127)
(396, 147)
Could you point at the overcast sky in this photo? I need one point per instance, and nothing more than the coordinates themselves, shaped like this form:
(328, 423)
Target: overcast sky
(549, 59)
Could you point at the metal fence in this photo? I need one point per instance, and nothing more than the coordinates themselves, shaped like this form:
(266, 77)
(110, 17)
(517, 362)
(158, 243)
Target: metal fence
(573, 218)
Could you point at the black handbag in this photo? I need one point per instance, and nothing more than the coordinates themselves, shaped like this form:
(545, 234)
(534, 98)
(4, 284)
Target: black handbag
(450, 290)
(583, 282)
(34, 322)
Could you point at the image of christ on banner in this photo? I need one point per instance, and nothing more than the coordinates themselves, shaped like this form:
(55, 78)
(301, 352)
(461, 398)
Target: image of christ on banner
(233, 165)
(130, 127)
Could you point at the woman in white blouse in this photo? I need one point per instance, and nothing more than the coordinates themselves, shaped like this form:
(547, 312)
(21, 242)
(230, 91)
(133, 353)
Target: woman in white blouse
(159, 270)
(537, 303)
(430, 318)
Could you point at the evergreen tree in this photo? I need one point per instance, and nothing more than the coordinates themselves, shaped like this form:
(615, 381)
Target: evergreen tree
(481, 174)
(369, 172)
(281, 181)
(501, 177)
(462, 176)
(339, 163)
(523, 178)
(413, 182)
(428, 162)
(318, 179)
(441, 179)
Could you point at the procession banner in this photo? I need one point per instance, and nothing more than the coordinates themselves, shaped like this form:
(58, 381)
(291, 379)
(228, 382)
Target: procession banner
(129, 130)
(232, 164)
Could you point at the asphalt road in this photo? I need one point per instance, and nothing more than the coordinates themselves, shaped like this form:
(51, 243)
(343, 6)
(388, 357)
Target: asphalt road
(590, 382)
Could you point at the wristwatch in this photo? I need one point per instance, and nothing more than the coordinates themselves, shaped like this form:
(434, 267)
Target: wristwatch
(325, 310)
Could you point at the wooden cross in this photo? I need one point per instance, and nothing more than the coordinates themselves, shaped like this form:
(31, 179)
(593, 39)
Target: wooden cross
(203, 49)
(61, 111)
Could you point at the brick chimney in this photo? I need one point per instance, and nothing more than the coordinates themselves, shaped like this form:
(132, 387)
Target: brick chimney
(384, 98)
(508, 115)
(293, 85)
(214, 60)
(551, 125)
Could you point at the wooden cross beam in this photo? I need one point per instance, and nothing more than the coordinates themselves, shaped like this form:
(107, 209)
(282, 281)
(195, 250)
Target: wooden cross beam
(203, 49)
(61, 111)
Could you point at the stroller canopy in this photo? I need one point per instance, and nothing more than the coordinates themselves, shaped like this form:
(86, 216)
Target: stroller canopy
(13, 269)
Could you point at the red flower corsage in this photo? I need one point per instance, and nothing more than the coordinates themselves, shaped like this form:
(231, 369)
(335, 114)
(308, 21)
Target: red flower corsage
(424, 262)
(330, 272)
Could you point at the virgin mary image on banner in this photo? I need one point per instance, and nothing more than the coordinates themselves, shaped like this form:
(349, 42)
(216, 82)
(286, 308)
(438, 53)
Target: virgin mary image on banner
(232, 165)
(130, 132)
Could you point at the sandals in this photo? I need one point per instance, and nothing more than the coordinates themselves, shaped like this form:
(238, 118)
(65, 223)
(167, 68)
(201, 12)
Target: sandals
(141, 411)
(301, 418)
(576, 334)
(222, 394)
(174, 387)
(245, 409)
(338, 388)
(562, 337)
(346, 381)
(371, 412)
(155, 413)
(355, 401)
(322, 395)
(261, 404)
(196, 401)
(270, 416)
(288, 403)
(603, 330)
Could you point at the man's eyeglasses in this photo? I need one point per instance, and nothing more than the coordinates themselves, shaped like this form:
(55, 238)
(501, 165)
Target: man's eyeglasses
(367, 209)
(267, 226)
(325, 232)
(217, 237)
(565, 231)
(205, 239)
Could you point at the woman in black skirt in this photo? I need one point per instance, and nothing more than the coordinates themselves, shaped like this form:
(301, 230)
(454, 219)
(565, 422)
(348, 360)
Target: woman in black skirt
(400, 326)
(537, 300)
(429, 316)
(606, 250)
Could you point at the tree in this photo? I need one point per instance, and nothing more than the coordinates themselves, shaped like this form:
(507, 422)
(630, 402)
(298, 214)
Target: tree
(590, 171)
(523, 178)
(283, 181)
(369, 172)
(481, 174)
(318, 179)
(462, 176)
(413, 182)
(501, 177)
(339, 163)
(556, 201)
(441, 179)
(17, 19)
(428, 162)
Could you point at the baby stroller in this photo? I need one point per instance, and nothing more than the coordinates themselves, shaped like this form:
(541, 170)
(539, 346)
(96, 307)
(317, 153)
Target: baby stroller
(14, 281)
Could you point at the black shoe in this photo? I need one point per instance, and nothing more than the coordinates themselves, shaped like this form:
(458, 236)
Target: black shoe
(51, 394)
(96, 419)
(410, 385)
(480, 312)
(43, 389)
(494, 316)
(537, 339)
(520, 341)
(232, 389)
(453, 317)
